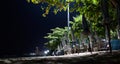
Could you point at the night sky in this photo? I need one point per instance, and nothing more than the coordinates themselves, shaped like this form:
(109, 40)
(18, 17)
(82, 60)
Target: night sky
(23, 27)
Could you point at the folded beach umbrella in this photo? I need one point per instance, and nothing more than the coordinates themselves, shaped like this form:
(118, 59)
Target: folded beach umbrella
(85, 26)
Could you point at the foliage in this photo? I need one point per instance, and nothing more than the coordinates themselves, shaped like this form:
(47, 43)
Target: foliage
(90, 8)
(55, 37)
(55, 5)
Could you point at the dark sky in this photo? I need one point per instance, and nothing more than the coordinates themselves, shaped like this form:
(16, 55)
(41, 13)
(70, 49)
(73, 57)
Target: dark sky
(23, 26)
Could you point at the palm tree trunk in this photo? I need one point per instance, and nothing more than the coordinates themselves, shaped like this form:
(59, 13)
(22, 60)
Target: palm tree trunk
(118, 18)
(104, 6)
(90, 43)
(73, 40)
(73, 36)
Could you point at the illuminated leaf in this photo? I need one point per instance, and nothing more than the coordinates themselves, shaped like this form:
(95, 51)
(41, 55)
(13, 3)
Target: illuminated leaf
(43, 15)
(95, 2)
(55, 11)
(35, 1)
(28, 1)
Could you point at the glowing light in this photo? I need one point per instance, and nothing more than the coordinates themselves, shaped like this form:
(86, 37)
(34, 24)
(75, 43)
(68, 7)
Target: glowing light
(45, 52)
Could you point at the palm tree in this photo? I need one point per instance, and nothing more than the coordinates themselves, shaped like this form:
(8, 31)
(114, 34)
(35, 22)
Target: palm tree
(54, 38)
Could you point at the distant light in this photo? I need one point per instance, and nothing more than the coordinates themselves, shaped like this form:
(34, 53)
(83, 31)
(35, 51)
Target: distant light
(32, 54)
(45, 52)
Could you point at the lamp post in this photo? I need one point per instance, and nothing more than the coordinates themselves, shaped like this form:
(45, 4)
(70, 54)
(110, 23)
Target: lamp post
(68, 16)
(68, 21)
